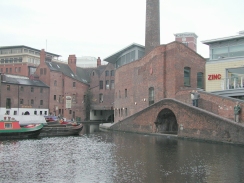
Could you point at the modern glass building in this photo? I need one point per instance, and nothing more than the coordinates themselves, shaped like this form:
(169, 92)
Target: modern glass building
(225, 67)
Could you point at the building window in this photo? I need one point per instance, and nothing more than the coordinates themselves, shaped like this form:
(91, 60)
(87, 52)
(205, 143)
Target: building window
(93, 73)
(112, 72)
(32, 89)
(41, 102)
(54, 97)
(35, 112)
(8, 87)
(40, 112)
(187, 76)
(10, 70)
(74, 84)
(95, 113)
(45, 112)
(107, 84)
(106, 73)
(74, 98)
(112, 84)
(200, 80)
(6, 70)
(19, 69)
(100, 85)
(8, 103)
(41, 90)
(101, 98)
(32, 102)
(41, 71)
(126, 112)
(21, 101)
(101, 113)
(15, 112)
(21, 88)
(125, 93)
(55, 83)
(151, 96)
(8, 125)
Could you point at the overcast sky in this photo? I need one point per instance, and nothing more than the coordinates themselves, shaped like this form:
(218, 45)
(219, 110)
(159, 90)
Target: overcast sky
(103, 27)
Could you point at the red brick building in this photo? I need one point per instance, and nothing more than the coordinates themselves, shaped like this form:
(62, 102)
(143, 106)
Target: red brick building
(68, 86)
(163, 72)
(102, 88)
(21, 94)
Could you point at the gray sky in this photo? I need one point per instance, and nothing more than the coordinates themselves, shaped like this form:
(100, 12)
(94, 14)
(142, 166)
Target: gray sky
(103, 27)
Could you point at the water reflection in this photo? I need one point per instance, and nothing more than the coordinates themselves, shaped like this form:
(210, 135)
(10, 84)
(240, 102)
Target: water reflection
(108, 157)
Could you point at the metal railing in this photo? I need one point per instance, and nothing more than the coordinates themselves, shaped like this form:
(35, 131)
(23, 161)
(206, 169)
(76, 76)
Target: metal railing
(232, 83)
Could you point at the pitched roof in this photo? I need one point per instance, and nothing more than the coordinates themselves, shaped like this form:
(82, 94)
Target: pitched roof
(21, 81)
(81, 74)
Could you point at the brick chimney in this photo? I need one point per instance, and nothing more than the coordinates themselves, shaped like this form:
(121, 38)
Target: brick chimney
(72, 63)
(42, 56)
(98, 62)
(152, 38)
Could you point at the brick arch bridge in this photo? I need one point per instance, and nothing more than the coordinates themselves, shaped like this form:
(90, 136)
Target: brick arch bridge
(192, 122)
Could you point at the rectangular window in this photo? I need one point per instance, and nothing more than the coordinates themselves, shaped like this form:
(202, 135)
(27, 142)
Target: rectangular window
(8, 87)
(16, 69)
(35, 112)
(21, 88)
(74, 98)
(101, 98)
(55, 83)
(70, 111)
(112, 84)
(21, 101)
(74, 84)
(125, 93)
(54, 97)
(100, 85)
(32, 89)
(45, 112)
(32, 102)
(106, 73)
(219, 53)
(8, 103)
(41, 71)
(107, 84)
(8, 125)
(95, 113)
(41, 102)
(40, 112)
(6, 70)
(112, 72)
(15, 112)
(41, 90)
(187, 76)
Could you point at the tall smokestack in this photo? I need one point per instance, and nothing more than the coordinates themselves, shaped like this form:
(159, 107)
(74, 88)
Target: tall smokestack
(152, 25)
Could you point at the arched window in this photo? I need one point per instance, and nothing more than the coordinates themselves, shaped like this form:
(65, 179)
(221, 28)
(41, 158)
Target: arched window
(187, 76)
(151, 96)
(199, 80)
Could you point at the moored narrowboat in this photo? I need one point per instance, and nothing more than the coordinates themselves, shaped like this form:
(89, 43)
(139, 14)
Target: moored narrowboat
(10, 129)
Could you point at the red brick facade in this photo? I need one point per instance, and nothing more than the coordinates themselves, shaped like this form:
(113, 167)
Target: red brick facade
(66, 90)
(102, 87)
(163, 70)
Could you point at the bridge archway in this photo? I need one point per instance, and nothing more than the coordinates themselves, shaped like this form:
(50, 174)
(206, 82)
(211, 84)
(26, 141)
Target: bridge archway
(166, 122)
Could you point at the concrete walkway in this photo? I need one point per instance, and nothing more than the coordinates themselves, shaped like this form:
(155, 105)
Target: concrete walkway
(105, 125)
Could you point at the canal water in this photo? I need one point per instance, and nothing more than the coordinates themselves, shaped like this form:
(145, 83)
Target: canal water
(115, 157)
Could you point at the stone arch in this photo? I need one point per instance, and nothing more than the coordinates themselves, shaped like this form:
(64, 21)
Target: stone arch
(166, 122)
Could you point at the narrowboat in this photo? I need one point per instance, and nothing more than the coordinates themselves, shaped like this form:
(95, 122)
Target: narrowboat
(10, 129)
